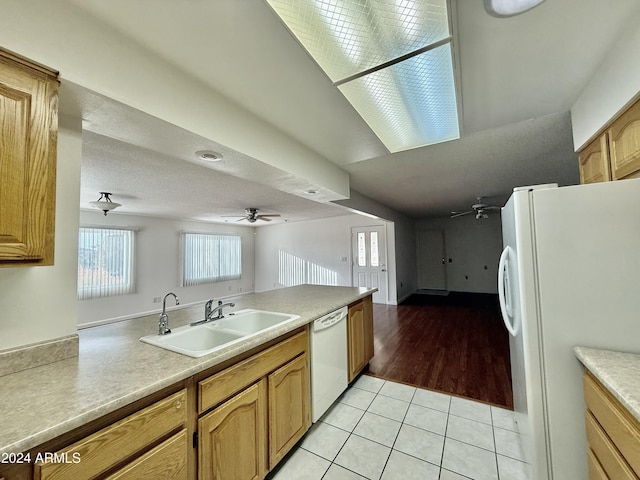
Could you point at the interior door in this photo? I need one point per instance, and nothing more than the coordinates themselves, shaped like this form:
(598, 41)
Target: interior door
(370, 260)
(432, 270)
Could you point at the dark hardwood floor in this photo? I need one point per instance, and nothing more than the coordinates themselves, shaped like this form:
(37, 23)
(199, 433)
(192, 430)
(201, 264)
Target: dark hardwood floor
(455, 344)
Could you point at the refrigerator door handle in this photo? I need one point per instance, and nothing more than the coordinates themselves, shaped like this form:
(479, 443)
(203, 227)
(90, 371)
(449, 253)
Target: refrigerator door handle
(504, 291)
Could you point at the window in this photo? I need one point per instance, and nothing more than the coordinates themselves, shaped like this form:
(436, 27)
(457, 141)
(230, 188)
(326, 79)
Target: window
(105, 262)
(210, 258)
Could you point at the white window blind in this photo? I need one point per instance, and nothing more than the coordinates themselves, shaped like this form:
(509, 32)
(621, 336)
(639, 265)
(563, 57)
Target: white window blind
(105, 262)
(210, 258)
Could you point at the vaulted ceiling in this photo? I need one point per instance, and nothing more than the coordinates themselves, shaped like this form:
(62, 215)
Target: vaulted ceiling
(518, 78)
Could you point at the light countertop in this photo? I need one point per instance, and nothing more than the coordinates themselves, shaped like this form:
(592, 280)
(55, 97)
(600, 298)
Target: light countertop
(618, 372)
(114, 368)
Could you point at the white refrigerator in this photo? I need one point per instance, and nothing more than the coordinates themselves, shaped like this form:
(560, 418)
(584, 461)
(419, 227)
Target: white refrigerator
(569, 276)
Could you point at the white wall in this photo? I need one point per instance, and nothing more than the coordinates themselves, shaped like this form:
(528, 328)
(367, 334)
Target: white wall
(157, 266)
(93, 55)
(471, 245)
(40, 303)
(323, 244)
(615, 83)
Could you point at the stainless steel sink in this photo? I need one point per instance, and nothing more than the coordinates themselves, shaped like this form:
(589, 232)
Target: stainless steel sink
(201, 340)
(253, 321)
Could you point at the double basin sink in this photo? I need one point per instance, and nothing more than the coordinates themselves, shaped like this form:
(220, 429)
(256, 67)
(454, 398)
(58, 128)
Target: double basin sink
(207, 338)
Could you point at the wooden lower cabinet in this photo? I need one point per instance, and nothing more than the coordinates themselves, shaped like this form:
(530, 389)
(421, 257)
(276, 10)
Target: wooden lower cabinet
(613, 435)
(232, 437)
(289, 407)
(234, 424)
(360, 335)
(254, 412)
(125, 444)
(167, 461)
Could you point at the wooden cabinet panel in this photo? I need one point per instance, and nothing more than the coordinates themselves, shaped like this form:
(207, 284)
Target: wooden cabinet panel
(594, 162)
(221, 386)
(289, 409)
(355, 336)
(114, 444)
(167, 461)
(596, 471)
(360, 336)
(624, 144)
(232, 438)
(28, 138)
(368, 327)
(605, 452)
(620, 426)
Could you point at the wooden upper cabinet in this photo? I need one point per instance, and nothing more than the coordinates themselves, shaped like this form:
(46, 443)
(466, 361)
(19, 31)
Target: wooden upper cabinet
(624, 144)
(28, 142)
(594, 162)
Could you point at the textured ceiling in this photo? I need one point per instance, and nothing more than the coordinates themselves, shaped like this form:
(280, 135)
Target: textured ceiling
(518, 78)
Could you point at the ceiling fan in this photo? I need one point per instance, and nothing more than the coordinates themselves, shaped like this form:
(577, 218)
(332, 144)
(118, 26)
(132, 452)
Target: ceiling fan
(480, 209)
(252, 216)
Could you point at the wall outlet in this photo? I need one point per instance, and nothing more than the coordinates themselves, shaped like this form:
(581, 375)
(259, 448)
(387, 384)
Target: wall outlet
(157, 299)
(343, 259)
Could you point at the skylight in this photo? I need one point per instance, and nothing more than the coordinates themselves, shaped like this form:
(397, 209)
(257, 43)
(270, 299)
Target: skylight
(391, 59)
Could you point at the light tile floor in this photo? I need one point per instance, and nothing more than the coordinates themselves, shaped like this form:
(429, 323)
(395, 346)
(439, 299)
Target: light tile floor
(384, 430)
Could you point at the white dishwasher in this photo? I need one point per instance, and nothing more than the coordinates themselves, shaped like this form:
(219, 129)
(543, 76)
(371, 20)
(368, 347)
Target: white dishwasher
(329, 362)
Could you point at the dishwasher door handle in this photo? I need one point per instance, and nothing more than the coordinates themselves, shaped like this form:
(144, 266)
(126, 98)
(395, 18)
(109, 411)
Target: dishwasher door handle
(329, 320)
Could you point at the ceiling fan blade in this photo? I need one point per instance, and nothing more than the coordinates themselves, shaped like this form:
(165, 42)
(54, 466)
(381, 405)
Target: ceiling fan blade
(460, 214)
(263, 218)
(269, 215)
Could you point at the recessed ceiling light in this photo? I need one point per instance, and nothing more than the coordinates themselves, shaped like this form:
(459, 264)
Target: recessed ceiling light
(311, 192)
(209, 156)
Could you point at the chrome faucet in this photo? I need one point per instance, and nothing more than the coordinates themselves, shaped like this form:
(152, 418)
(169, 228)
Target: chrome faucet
(209, 312)
(163, 322)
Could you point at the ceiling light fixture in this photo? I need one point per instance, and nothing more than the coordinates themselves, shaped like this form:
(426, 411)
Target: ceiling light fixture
(392, 60)
(209, 156)
(509, 8)
(104, 203)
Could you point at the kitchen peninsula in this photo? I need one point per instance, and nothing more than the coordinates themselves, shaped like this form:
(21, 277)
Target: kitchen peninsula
(117, 376)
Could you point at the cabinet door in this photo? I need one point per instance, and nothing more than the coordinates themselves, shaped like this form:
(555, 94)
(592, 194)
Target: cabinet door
(28, 133)
(594, 162)
(232, 438)
(355, 336)
(624, 144)
(289, 410)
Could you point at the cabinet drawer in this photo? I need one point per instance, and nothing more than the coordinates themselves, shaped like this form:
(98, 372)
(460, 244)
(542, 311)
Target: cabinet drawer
(167, 461)
(595, 469)
(115, 443)
(605, 452)
(221, 386)
(619, 425)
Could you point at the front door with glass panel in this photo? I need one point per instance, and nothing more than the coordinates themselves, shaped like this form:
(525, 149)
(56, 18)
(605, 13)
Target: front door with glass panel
(370, 260)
